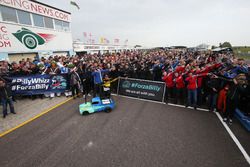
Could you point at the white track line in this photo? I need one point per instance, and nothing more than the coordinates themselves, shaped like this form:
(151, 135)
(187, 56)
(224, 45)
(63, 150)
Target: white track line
(182, 106)
(236, 141)
(171, 104)
(138, 99)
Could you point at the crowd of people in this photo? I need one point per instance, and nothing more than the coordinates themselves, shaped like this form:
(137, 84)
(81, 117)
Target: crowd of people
(218, 80)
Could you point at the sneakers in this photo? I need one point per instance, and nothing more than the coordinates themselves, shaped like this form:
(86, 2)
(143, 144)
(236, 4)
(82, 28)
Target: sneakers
(230, 121)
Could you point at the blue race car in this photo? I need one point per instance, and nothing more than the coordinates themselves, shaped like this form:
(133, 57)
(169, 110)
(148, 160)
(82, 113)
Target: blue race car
(97, 105)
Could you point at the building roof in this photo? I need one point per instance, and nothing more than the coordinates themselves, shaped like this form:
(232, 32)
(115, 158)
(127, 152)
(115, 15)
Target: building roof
(222, 49)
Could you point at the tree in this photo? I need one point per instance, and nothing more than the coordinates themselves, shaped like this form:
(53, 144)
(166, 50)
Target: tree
(213, 47)
(226, 45)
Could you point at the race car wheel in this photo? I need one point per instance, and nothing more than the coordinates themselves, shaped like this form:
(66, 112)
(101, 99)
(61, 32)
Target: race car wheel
(108, 110)
(30, 41)
(85, 113)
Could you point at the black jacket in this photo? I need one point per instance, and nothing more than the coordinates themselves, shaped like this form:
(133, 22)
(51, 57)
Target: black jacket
(5, 92)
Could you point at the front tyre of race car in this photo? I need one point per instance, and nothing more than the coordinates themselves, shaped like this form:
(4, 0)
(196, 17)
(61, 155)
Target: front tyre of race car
(85, 113)
(108, 110)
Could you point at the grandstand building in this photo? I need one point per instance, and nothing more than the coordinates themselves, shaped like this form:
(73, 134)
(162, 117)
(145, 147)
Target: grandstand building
(30, 29)
(81, 47)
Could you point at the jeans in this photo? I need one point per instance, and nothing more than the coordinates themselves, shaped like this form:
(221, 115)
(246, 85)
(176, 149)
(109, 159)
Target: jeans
(212, 99)
(75, 90)
(180, 95)
(199, 96)
(5, 102)
(230, 107)
(192, 97)
(98, 90)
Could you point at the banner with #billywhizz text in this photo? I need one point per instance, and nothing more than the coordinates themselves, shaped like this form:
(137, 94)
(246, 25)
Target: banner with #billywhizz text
(39, 84)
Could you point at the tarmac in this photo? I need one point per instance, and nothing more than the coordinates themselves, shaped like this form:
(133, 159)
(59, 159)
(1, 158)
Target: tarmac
(27, 109)
(136, 133)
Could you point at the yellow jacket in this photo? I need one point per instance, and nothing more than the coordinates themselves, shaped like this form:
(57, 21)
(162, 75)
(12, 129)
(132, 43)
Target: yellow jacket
(107, 83)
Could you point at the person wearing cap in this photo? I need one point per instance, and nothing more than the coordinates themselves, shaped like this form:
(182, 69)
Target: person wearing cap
(97, 75)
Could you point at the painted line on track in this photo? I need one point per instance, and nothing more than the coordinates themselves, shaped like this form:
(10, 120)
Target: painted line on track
(171, 104)
(35, 117)
(138, 99)
(236, 141)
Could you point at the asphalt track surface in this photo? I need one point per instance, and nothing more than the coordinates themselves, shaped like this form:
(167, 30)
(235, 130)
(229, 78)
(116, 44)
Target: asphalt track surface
(136, 133)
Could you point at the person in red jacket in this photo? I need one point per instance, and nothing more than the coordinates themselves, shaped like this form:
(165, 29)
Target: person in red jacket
(180, 87)
(221, 102)
(192, 89)
(168, 78)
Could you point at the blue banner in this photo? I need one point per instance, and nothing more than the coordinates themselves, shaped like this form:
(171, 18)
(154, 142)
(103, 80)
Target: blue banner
(39, 84)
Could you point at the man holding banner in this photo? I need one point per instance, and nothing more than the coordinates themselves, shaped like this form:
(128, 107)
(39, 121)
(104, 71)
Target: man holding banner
(6, 98)
(75, 82)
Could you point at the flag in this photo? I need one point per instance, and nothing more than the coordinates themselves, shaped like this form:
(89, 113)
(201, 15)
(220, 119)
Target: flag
(116, 41)
(74, 4)
(101, 40)
(126, 41)
(85, 34)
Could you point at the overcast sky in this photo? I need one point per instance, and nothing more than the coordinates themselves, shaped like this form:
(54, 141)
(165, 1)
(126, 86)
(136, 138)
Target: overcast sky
(161, 22)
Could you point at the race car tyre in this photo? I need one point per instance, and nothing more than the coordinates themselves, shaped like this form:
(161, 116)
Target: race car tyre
(108, 110)
(85, 113)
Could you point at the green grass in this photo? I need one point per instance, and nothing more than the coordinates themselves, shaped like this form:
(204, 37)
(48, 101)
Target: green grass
(243, 57)
(242, 49)
(244, 52)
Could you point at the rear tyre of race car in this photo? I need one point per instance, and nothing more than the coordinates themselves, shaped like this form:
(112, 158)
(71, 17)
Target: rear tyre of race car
(108, 110)
(85, 113)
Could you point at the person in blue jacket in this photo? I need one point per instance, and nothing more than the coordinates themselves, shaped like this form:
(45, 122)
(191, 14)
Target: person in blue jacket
(98, 81)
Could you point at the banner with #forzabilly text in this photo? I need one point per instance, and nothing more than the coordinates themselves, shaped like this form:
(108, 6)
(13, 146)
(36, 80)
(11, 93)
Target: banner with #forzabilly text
(142, 89)
(39, 84)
